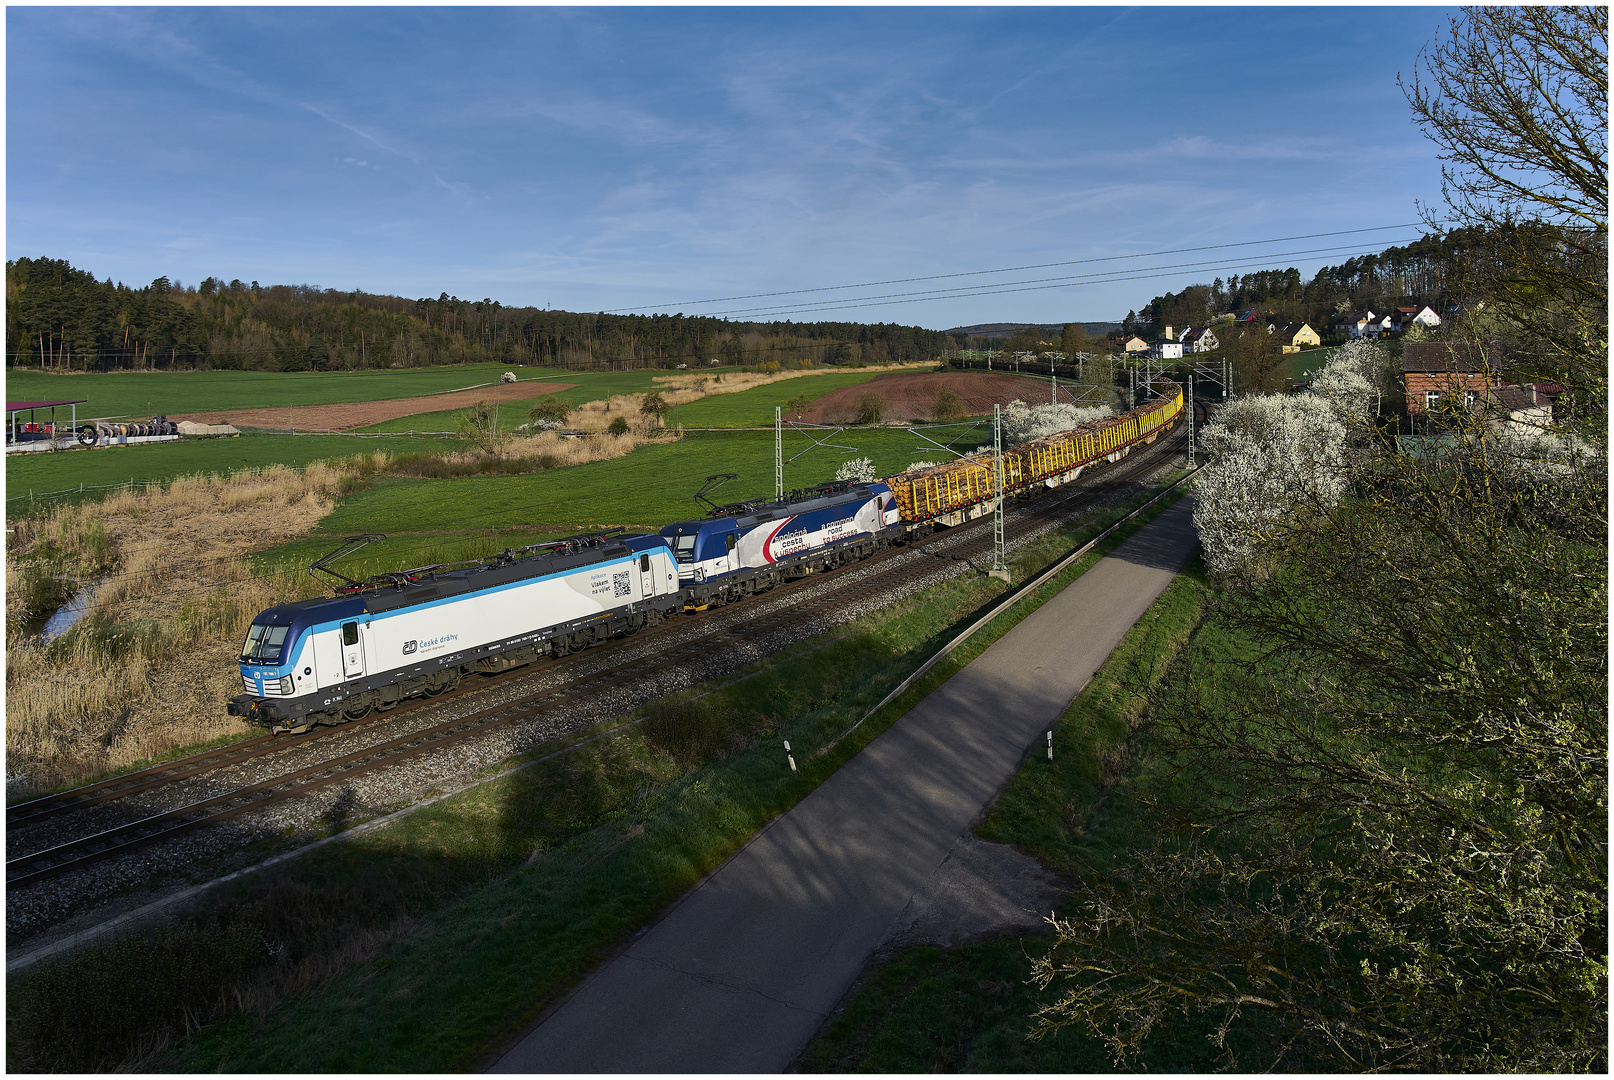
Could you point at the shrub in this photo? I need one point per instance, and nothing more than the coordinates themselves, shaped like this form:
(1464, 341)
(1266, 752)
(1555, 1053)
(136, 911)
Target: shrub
(549, 411)
(870, 407)
(619, 426)
(949, 406)
(654, 405)
(861, 469)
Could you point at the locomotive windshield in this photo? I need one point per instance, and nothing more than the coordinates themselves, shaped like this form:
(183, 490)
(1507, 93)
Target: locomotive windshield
(263, 644)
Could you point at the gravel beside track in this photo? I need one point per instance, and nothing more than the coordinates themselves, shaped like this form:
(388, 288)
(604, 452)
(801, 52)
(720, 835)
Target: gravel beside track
(516, 713)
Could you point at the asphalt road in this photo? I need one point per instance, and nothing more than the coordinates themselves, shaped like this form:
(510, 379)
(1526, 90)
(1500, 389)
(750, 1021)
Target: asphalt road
(740, 972)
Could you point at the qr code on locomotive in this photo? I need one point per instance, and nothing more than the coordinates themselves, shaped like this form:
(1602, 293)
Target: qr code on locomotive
(621, 583)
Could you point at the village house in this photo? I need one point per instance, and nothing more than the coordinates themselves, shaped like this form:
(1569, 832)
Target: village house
(1437, 372)
(1292, 337)
(1405, 318)
(1131, 343)
(1359, 324)
(1200, 340)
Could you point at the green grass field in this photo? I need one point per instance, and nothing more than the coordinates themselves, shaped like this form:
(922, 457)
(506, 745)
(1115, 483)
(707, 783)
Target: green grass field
(162, 462)
(649, 488)
(144, 393)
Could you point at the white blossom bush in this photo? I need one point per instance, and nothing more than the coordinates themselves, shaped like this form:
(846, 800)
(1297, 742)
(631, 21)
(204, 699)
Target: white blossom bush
(857, 469)
(918, 465)
(1349, 382)
(1022, 422)
(1272, 457)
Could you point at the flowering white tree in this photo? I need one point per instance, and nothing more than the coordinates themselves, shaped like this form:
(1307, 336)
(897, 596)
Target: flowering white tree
(918, 465)
(1349, 382)
(858, 469)
(1022, 422)
(1272, 456)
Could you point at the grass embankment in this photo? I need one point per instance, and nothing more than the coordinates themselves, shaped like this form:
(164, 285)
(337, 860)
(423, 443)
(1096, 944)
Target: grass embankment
(968, 1009)
(426, 945)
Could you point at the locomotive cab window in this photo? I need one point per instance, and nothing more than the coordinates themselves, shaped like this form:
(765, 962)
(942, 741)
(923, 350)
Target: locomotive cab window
(728, 541)
(263, 644)
(350, 633)
(644, 564)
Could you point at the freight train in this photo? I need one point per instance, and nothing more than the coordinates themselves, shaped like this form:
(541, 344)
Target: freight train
(419, 632)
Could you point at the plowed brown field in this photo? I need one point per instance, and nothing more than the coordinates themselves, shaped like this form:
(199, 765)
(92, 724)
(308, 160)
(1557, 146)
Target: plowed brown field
(358, 414)
(913, 397)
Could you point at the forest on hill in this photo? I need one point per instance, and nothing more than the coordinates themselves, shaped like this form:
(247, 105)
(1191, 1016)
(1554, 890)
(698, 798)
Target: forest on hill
(61, 318)
(1431, 270)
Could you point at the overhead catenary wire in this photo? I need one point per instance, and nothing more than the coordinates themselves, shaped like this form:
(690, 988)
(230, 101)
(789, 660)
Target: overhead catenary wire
(1003, 288)
(1017, 269)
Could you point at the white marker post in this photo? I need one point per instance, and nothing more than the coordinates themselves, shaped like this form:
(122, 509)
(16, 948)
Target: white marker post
(788, 756)
(1050, 746)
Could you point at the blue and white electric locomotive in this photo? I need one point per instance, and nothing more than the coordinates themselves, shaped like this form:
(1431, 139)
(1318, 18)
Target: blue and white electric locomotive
(746, 548)
(419, 632)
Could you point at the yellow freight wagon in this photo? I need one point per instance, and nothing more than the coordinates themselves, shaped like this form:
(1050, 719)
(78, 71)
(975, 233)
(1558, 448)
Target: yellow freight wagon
(953, 493)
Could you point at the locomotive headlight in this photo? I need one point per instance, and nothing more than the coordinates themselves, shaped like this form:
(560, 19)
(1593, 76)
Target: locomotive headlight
(286, 685)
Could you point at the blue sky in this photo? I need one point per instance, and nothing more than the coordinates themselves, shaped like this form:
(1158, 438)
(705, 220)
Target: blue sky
(648, 158)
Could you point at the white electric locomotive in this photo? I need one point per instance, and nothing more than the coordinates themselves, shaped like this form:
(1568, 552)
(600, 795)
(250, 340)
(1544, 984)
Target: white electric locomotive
(747, 548)
(420, 631)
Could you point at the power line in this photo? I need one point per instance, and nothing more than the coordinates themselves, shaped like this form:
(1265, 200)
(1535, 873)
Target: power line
(1013, 286)
(1017, 269)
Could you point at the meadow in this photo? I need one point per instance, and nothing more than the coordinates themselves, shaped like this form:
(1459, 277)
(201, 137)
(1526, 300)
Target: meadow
(145, 393)
(648, 488)
(161, 463)
(164, 462)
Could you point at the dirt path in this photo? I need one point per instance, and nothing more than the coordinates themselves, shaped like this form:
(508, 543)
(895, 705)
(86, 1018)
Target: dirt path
(359, 414)
(913, 397)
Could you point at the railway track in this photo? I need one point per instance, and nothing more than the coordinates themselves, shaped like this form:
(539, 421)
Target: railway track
(965, 543)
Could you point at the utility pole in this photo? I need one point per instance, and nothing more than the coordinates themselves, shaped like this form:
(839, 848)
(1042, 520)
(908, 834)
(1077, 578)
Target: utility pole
(778, 453)
(1053, 376)
(1192, 437)
(1000, 566)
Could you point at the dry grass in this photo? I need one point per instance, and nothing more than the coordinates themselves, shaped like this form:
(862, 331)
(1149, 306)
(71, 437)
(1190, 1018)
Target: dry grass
(150, 665)
(598, 447)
